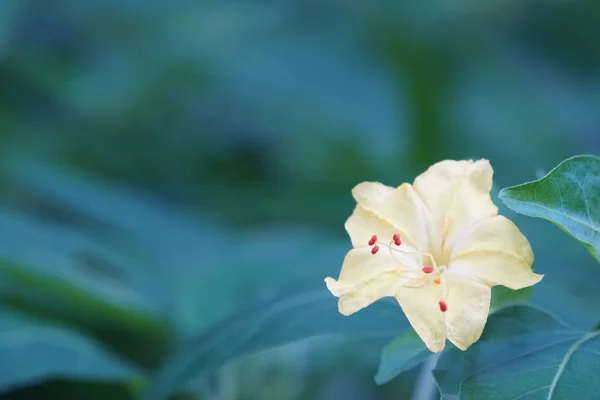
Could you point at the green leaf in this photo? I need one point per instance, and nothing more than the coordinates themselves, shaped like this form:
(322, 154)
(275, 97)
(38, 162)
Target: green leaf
(502, 296)
(402, 354)
(32, 350)
(298, 315)
(568, 196)
(72, 277)
(523, 353)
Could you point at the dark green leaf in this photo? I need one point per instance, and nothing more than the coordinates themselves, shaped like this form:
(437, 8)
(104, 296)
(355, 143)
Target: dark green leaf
(523, 353)
(568, 196)
(33, 351)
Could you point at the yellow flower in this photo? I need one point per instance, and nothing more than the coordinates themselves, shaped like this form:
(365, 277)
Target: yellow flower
(438, 246)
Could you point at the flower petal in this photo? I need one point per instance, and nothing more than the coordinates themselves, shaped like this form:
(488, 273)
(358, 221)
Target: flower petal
(468, 303)
(363, 224)
(400, 207)
(422, 309)
(458, 194)
(366, 278)
(496, 252)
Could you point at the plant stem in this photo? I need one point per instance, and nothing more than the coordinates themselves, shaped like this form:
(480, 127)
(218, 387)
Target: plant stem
(426, 388)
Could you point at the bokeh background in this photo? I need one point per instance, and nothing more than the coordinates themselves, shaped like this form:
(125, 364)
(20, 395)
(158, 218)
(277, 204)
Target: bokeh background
(175, 177)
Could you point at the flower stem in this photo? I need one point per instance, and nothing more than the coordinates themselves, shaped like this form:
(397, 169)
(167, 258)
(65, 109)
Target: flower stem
(426, 387)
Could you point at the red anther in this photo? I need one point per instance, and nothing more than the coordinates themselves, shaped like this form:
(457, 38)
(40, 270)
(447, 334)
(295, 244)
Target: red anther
(397, 241)
(427, 270)
(373, 240)
(375, 249)
(443, 306)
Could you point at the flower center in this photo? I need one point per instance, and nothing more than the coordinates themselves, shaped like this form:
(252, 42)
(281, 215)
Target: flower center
(430, 272)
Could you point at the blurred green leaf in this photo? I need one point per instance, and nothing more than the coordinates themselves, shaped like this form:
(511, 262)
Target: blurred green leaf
(10, 10)
(122, 245)
(167, 262)
(502, 296)
(402, 354)
(62, 265)
(34, 350)
(65, 389)
(568, 196)
(57, 273)
(298, 315)
(523, 353)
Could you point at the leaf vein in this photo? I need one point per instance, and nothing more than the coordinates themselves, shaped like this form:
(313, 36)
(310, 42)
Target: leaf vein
(568, 216)
(565, 361)
(525, 354)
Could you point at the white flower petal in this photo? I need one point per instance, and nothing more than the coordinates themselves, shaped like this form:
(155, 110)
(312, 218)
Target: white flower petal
(468, 304)
(496, 252)
(400, 207)
(363, 224)
(366, 278)
(422, 309)
(458, 194)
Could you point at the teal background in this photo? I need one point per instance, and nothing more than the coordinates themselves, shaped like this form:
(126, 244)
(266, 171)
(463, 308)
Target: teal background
(175, 177)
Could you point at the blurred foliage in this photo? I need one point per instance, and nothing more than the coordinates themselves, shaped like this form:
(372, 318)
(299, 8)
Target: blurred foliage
(175, 178)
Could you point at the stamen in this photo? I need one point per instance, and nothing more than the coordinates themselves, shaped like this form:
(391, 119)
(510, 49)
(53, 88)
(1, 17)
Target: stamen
(418, 253)
(427, 270)
(445, 289)
(375, 249)
(437, 281)
(373, 240)
(443, 306)
(397, 241)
